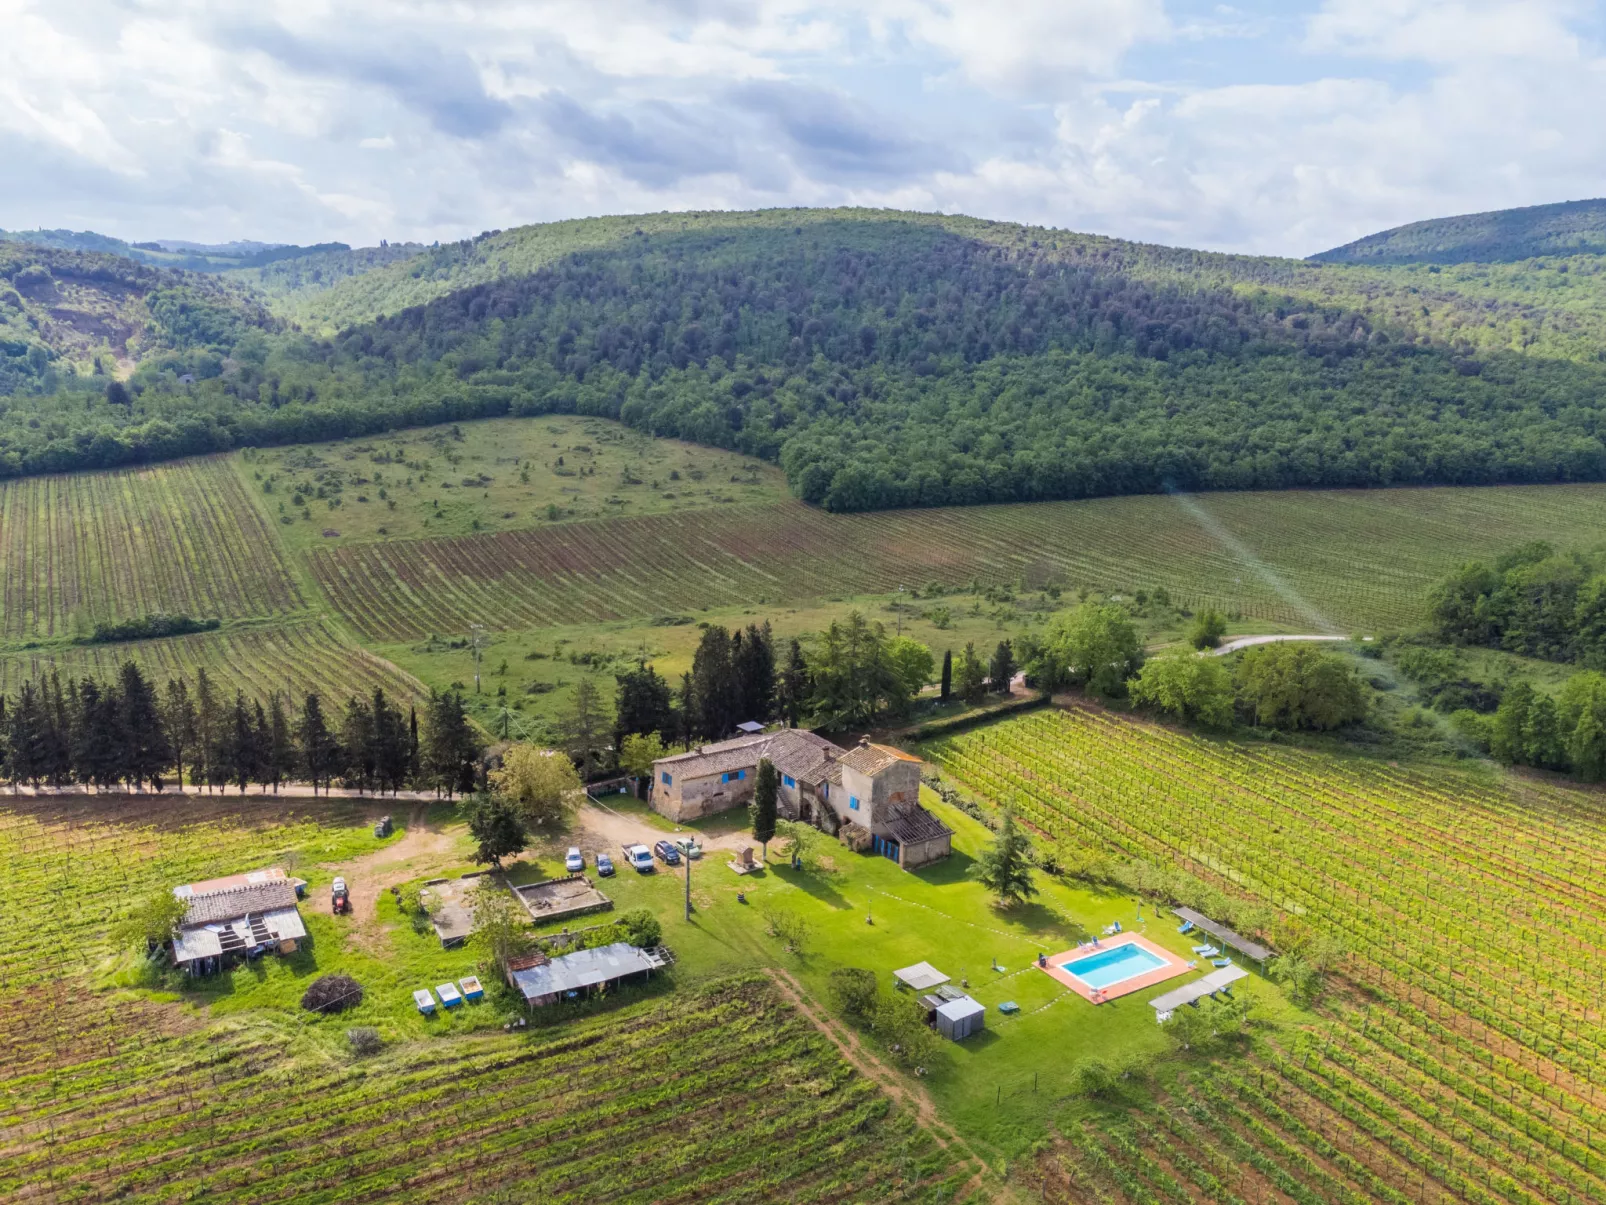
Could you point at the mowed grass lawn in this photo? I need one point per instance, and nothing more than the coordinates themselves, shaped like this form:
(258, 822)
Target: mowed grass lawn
(1001, 1088)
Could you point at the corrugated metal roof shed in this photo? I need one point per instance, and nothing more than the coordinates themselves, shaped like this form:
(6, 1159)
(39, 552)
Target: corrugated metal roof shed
(585, 969)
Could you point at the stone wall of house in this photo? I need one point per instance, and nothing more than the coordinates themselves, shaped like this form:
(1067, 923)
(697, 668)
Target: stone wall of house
(694, 798)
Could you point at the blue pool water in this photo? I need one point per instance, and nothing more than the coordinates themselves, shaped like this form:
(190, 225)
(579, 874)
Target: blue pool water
(1109, 967)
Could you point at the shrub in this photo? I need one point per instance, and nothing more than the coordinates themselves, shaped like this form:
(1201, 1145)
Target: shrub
(332, 994)
(365, 1039)
(1094, 1077)
(856, 992)
(640, 928)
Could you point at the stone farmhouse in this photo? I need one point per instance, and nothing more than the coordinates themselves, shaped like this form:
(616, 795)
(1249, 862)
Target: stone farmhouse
(235, 918)
(868, 795)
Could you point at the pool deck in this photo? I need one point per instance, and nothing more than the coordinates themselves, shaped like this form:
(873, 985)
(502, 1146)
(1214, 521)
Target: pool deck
(1174, 966)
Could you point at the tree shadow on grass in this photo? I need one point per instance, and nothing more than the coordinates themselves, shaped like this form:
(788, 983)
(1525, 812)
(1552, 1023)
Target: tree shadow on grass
(955, 868)
(814, 883)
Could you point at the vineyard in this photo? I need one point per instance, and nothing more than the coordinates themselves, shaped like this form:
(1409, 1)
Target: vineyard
(1364, 559)
(1468, 1064)
(718, 1092)
(293, 657)
(93, 547)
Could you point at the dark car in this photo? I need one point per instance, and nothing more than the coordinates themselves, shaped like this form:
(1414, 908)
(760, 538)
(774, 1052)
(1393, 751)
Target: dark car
(667, 853)
(604, 865)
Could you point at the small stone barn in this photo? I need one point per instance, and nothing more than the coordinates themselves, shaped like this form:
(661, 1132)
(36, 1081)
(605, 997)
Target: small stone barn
(240, 917)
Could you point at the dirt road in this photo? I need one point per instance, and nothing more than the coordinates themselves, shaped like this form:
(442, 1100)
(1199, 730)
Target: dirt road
(422, 848)
(1243, 642)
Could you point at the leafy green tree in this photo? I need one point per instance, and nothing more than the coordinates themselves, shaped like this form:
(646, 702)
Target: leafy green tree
(154, 919)
(501, 929)
(1005, 866)
(1187, 686)
(640, 928)
(1507, 732)
(854, 679)
(541, 785)
(638, 753)
(900, 1022)
(1296, 685)
(911, 663)
(972, 675)
(1459, 606)
(1095, 647)
(1542, 739)
(496, 826)
(1188, 1027)
(766, 787)
(856, 993)
(1209, 626)
(1001, 670)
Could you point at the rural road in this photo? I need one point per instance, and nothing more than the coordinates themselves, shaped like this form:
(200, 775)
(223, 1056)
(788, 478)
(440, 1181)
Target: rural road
(1243, 642)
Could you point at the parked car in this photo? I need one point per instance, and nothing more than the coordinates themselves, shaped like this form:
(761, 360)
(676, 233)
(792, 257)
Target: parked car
(576, 861)
(667, 853)
(689, 847)
(640, 857)
(604, 866)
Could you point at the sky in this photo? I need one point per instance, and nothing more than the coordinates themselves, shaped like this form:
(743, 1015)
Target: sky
(1262, 126)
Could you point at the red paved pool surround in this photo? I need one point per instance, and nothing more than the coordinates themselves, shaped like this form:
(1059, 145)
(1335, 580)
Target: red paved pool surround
(1174, 966)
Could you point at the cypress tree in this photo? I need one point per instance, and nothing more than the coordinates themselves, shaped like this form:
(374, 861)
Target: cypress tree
(208, 733)
(26, 737)
(243, 758)
(765, 789)
(281, 744)
(1001, 671)
(642, 704)
(753, 668)
(61, 708)
(714, 685)
(320, 752)
(792, 686)
(357, 739)
(178, 720)
(391, 753)
(147, 750)
(947, 676)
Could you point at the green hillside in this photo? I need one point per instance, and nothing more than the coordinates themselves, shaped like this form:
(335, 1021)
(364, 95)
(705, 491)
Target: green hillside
(1499, 236)
(890, 359)
(69, 317)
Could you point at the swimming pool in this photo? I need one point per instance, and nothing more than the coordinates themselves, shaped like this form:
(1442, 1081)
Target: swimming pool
(1109, 967)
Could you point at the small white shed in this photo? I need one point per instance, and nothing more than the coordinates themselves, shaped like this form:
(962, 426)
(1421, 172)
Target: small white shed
(921, 977)
(958, 1019)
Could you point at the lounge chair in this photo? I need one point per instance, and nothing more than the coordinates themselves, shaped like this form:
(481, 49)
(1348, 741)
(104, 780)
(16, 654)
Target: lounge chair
(1206, 951)
(1221, 962)
(1187, 927)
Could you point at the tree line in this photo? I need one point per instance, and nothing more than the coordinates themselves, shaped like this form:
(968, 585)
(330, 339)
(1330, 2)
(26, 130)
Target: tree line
(1533, 600)
(881, 364)
(130, 733)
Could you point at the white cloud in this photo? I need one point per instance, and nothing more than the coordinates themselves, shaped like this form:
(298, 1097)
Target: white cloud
(187, 118)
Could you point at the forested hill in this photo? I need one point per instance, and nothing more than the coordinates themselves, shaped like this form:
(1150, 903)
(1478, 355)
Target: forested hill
(1500, 236)
(890, 359)
(71, 319)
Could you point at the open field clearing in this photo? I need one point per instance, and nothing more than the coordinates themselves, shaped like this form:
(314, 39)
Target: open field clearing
(1465, 1061)
(180, 538)
(500, 474)
(1361, 559)
(717, 1091)
(292, 656)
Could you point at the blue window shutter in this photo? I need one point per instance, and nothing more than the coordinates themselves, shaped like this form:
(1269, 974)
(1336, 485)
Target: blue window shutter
(853, 802)
(668, 781)
(724, 778)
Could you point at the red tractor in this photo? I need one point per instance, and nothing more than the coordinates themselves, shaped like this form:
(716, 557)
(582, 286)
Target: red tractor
(339, 898)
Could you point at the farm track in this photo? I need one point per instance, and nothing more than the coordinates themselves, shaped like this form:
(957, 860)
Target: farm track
(1368, 555)
(1465, 1065)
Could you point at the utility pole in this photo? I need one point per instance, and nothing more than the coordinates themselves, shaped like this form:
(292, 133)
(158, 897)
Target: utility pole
(687, 852)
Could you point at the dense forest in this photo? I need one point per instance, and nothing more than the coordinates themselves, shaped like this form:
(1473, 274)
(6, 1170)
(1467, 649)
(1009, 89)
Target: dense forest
(882, 362)
(1500, 236)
